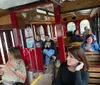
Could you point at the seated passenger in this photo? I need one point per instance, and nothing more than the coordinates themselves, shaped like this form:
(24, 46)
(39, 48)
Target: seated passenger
(49, 48)
(38, 41)
(85, 31)
(90, 45)
(75, 70)
(90, 32)
(14, 70)
(76, 37)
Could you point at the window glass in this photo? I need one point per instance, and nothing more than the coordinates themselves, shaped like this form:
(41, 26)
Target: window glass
(71, 26)
(83, 24)
(29, 37)
(41, 30)
(12, 38)
(2, 51)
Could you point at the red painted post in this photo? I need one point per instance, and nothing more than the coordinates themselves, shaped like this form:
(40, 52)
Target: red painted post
(61, 47)
(77, 22)
(15, 29)
(64, 28)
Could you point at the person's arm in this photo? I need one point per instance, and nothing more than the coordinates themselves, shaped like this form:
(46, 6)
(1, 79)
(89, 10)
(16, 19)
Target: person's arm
(82, 78)
(58, 78)
(81, 39)
(82, 45)
(96, 47)
(21, 71)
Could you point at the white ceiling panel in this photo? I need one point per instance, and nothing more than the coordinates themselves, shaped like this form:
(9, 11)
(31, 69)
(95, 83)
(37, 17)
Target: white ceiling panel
(5, 4)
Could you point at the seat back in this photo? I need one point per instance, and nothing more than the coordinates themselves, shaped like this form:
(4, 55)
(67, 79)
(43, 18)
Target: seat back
(93, 58)
(94, 75)
(94, 69)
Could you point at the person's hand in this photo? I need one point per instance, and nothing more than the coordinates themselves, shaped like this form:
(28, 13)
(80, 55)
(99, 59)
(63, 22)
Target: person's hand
(49, 44)
(86, 48)
(46, 45)
(91, 50)
(80, 66)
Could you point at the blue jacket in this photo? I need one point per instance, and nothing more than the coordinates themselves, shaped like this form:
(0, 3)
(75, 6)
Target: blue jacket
(94, 46)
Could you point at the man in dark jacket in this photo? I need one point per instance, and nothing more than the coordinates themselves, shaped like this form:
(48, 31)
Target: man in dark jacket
(49, 48)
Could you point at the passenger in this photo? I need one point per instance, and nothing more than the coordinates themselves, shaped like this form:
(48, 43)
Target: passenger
(76, 37)
(90, 45)
(75, 70)
(49, 48)
(38, 41)
(90, 32)
(85, 31)
(14, 71)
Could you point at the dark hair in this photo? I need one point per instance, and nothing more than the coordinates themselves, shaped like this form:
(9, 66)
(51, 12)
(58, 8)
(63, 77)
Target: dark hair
(89, 35)
(79, 54)
(75, 31)
(15, 52)
(28, 25)
(85, 27)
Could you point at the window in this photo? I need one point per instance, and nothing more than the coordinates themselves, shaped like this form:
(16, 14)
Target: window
(41, 11)
(83, 24)
(21, 38)
(5, 41)
(49, 31)
(29, 37)
(71, 26)
(12, 38)
(55, 29)
(2, 52)
(49, 13)
(41, 31)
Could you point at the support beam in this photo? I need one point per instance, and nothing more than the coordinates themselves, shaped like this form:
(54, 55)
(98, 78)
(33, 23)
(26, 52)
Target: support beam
(15, 27)
(30, 5)
(61, 47)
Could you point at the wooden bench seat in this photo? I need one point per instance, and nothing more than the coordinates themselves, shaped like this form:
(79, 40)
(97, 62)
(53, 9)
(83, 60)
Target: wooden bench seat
(94, 70)
(93, 58)
(74, 44)
(94, 76)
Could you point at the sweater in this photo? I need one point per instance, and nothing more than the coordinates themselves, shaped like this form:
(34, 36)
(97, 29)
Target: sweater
(66, 77)
(10, 75)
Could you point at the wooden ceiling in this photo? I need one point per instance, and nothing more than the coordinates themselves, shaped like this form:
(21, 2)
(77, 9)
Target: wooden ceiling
(76, 6)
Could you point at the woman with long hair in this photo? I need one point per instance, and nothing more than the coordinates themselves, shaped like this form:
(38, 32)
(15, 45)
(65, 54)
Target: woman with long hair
(75, 70)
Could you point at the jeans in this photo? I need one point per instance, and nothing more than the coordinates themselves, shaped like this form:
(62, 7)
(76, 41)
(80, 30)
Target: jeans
(48, 54)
